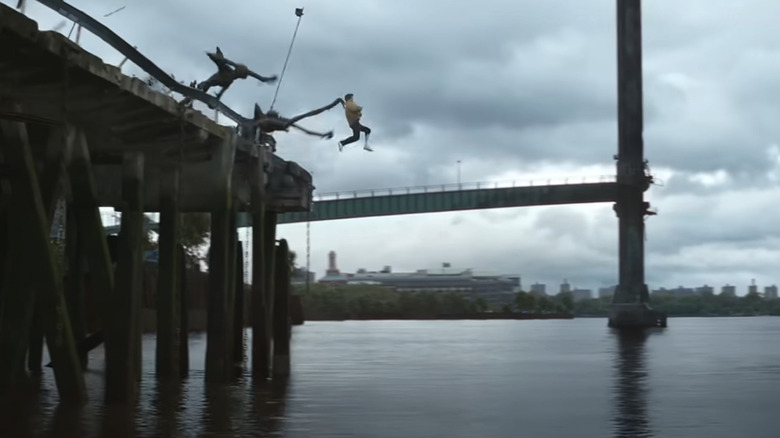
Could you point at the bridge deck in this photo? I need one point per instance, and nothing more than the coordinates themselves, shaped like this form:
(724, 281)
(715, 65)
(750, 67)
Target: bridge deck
(432, 202)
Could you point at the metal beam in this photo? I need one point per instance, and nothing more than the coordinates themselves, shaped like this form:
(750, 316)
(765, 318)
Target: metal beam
(478, 199)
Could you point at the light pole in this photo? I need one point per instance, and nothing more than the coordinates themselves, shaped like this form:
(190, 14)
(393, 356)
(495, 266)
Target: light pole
(458, 174)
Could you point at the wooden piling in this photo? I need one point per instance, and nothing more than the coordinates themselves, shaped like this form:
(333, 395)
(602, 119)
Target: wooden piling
(261, 343)
(238, 314)
(216, 332)
(123, 328)
(33, 250)
(74, 287)
(57, 155)
(90, 225)
(184, 313)
(168, 289)
(281, 367)
(230, 292)
(261, 338)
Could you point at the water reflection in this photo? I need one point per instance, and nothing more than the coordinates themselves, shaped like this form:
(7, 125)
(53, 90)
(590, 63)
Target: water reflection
(168, 403)
(269, 402)
(630, 416)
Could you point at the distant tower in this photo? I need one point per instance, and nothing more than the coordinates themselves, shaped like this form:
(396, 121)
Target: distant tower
(332, 269)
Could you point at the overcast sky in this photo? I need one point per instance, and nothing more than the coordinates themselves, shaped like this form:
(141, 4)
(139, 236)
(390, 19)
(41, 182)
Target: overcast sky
(515, 90)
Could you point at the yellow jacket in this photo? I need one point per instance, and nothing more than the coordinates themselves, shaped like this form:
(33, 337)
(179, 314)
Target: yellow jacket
(353, 111)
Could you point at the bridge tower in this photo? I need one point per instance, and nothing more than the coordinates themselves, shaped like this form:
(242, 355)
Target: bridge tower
(630, 307)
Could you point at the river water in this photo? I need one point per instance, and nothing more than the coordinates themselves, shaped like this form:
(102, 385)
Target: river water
(701, 377)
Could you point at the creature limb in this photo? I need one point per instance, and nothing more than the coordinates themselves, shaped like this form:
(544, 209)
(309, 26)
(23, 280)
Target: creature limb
(313, 112)
(326, 135)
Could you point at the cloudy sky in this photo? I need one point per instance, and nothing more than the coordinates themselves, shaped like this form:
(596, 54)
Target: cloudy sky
(516, 90)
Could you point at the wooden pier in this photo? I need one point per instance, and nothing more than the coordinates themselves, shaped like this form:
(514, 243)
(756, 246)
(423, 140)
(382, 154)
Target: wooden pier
(75, 129)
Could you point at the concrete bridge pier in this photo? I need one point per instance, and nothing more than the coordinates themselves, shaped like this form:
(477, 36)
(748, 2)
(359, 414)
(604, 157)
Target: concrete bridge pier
(630, 308)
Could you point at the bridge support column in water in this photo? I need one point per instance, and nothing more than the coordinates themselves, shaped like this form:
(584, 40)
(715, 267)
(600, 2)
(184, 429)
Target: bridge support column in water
(630, 307)
(281, 313)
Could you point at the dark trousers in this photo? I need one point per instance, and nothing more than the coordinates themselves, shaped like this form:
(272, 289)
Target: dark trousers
(357, 128)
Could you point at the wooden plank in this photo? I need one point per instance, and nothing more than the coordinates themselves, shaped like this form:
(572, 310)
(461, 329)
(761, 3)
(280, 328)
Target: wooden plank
(123, 328)
(167, 356)
(27, 201)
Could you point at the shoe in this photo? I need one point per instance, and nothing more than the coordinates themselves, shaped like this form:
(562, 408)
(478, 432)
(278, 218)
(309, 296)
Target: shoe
(368, 148)
(341, 146)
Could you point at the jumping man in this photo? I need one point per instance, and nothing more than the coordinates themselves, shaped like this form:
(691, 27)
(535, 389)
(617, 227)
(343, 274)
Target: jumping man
(354, 112)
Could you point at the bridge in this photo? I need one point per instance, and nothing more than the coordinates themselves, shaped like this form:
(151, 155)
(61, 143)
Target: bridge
(440, 198)
(79, 133)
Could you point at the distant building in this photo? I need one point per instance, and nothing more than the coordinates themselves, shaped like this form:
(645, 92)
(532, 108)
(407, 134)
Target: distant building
(770, 292)
(705, 290)
(539, 288)
(677, 292)
(492, 287)
(607, 292)
(728, 290)
(582, 294)
(565, 287)
(753, 289)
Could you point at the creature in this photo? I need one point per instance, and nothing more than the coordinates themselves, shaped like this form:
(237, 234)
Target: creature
(267, 123)
(227, 72)
(353, 113)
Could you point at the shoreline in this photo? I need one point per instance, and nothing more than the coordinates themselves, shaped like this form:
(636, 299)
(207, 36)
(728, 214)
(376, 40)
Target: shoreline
(477, 316)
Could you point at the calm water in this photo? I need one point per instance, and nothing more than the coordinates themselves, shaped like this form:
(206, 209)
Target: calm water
(707, 377)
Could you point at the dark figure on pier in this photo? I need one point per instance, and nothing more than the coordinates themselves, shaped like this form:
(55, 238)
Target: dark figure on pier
(267, 123)
(353, 113)
(227, 72)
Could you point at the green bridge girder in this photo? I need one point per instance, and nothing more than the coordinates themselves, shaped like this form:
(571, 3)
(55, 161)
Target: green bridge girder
(441, 201)
(390, 204)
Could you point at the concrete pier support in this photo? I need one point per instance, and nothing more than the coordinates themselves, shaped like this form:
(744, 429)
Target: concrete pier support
(167, 351)
(281, 316)
(230, 292)
(630, 308)
(123, 326)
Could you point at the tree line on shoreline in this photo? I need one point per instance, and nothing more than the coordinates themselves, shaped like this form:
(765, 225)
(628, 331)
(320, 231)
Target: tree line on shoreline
(341, 301)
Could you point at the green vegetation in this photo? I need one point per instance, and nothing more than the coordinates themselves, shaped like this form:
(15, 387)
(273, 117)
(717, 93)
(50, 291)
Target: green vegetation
(194, 231)
(701, 305)
(326, 301)
(338, 301)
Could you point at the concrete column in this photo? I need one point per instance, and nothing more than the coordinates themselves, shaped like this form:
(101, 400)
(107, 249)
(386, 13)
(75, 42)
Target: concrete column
(168, 306)
(123, 328)
(261, 340)
(281, 367)
(74, 287)
(230, 292)
(629, 308)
